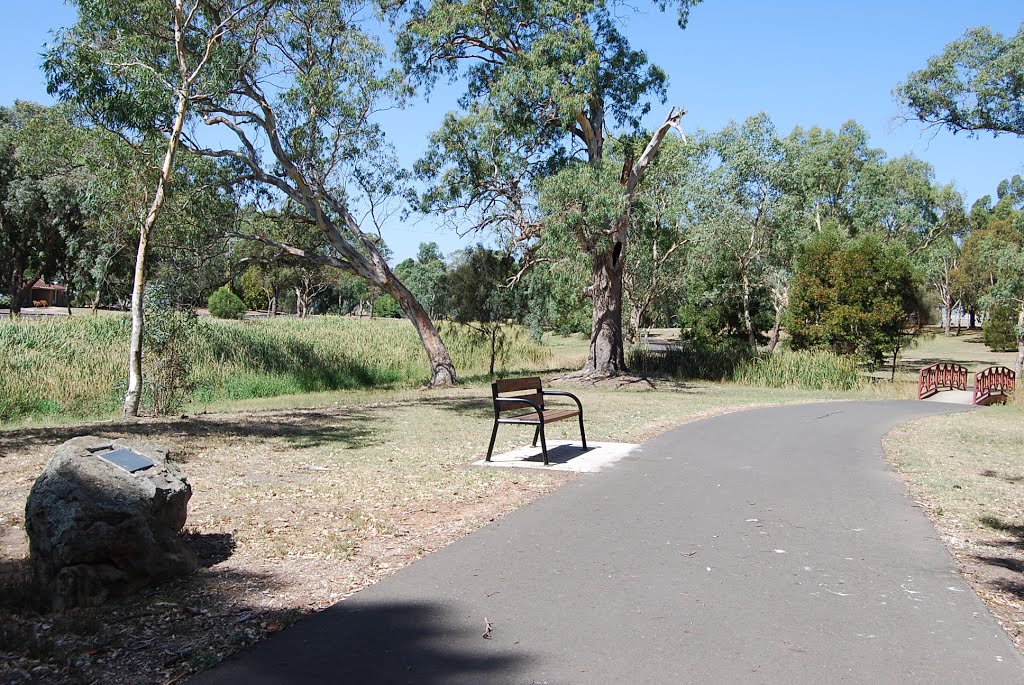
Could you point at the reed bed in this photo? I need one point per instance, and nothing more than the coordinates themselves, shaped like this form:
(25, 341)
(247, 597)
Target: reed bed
(75, 367)
(804, 369)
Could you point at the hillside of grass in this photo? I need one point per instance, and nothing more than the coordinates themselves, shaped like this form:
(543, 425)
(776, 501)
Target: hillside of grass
(75, 366)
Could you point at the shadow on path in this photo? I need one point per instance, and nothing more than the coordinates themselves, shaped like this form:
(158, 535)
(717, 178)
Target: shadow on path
(386, 642)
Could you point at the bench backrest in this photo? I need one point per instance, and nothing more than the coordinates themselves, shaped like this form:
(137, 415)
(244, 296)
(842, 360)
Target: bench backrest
(515, 388)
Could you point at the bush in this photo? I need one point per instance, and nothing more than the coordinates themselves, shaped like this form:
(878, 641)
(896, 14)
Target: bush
(224, 304)
(5, 301)
(806, 369)
(999, 330)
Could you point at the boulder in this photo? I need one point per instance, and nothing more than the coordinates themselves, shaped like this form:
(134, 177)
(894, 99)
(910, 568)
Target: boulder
(98, 530)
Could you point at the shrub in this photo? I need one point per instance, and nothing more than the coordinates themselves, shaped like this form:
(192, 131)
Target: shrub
(806, 369)
(999, 330)
(853, 297)
(224, 304)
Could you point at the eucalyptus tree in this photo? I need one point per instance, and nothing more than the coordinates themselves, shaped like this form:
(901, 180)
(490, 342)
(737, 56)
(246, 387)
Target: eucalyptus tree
(1008, 291)
(138, 67)
(545, 81)
(976, 84)
(305, 86)
(826, 168)
(746, 217)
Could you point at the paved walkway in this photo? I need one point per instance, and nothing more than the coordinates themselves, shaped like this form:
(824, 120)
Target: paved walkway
(772, 545)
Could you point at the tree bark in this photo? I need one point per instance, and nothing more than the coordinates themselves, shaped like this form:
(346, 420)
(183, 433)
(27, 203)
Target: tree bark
(607, 356)
(494, 350)
(948, 322)
(442, 370)
(773, 339)
(607, 349)
(748, 320)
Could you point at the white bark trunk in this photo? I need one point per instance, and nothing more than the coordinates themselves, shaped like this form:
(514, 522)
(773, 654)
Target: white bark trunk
(133, 396)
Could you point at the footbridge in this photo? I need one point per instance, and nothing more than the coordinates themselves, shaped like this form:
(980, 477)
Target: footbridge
(993, 385)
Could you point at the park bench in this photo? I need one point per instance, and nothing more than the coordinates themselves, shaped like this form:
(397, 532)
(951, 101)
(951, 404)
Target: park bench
(524, 399)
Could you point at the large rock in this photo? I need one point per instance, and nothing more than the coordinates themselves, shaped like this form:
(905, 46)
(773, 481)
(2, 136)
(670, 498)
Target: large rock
(97, 530)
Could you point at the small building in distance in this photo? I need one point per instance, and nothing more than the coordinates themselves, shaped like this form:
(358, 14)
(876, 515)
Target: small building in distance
(54, 295)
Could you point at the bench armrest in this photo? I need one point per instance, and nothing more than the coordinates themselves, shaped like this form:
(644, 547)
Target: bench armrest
(563, 393)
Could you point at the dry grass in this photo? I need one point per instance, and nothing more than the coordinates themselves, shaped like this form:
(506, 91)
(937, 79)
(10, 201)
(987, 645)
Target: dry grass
(967, 470)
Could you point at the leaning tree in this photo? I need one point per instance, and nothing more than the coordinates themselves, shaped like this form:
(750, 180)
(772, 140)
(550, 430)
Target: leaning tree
(287, 90)
(545, 84)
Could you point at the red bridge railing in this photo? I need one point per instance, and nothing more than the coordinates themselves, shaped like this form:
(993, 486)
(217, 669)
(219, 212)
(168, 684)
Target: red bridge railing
(941, 376)
(994, 384)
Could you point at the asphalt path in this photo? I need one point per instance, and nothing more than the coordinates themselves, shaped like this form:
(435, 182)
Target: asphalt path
(770, 545)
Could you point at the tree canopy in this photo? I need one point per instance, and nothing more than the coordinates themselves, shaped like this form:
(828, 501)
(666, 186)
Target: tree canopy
(976, 84)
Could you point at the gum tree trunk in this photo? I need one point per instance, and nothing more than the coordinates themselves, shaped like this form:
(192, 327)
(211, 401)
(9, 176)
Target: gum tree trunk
(133, 396)
(606, 356)
(442, 370)
(607, 349)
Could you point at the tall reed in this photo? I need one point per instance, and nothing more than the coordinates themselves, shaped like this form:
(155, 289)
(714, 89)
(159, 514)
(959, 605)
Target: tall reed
(806, 369)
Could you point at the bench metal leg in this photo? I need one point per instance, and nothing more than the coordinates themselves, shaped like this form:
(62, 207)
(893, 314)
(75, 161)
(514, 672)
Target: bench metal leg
(583, 434)
(543, 444)
(490, 448)
(536, 433)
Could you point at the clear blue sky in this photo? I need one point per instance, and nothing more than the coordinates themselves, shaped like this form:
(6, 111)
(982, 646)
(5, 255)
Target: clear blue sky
(804, 62)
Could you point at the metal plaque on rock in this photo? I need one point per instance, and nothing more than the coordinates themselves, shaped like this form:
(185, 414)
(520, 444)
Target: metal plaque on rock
(127, 459)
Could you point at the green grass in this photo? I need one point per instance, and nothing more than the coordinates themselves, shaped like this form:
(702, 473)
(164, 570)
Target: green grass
(74, 367)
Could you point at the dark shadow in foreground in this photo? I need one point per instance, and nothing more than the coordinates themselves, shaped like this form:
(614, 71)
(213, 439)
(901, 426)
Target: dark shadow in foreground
(362, 642)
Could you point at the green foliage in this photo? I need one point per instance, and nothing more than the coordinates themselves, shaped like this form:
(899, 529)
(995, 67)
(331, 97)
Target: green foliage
(805, 369)
(696, 359)
(224, 304)
(1000, 329)
(480, 299)
(581, 202)
(974, 85)
(853, 297)
(386, 307)
(424, 276)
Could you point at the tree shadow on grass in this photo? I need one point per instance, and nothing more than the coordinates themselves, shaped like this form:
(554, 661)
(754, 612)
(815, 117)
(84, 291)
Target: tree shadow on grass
(301, 428)
(193, 623)
(1015, 531)
(989, 473)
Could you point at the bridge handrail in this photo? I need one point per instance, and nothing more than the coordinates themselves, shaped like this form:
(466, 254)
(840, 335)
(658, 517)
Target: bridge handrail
(940, 376)
(994, 384)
